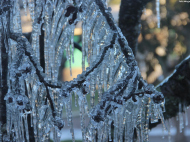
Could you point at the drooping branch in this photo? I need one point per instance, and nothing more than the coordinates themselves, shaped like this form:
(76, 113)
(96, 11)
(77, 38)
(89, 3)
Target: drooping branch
(176, 89)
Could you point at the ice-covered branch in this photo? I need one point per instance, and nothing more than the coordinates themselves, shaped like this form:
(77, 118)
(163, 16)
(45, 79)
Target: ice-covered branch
(24, 48)
(28, 52)
(175, 89)
(117, 96)
(76, 83)
(122, 93)
(126, 90)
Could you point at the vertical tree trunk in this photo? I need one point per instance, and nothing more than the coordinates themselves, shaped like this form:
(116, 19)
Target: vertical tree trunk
(4, 68)
(3, 85)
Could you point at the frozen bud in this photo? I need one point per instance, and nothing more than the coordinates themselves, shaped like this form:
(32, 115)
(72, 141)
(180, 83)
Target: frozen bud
(28, 107)
(149, 89)
(9, 98)
(99, 116)
(85, 87)
(59, 122)
(21, 101)
(25, 68)
(158, 97)
(64, 93)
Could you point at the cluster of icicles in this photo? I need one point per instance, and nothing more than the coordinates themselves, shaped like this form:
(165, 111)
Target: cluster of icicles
(26, 100)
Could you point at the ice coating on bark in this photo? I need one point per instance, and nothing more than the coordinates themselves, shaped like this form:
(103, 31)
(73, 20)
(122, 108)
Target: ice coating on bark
(124, 98)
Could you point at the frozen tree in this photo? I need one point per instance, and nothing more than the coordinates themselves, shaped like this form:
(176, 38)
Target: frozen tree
(33, 98)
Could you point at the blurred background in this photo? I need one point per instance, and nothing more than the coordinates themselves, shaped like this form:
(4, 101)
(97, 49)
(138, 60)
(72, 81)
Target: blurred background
(159, 51)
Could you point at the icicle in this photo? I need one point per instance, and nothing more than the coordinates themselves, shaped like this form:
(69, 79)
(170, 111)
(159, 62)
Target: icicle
(186, 117)
(181, 124)
(99, 86)
(68, 108)
(69, 58)
(162, 118)
(109, 129)
(83, 45)
(147, 116)
(92, 90)
(26, 128)
(129, 128)
(21, 127)
(185, 113)
(169, 132)
(55, 24)
(158, 12)
(80, 102)
(111, 74)
(75, 99)
(122, 124)
(116, 122)
(35, 40)
(106, 70)
(163, 136)
(31, 5)
(105, 135)
(144, 11)
(72, 43)
(100, 133)
(25, 5)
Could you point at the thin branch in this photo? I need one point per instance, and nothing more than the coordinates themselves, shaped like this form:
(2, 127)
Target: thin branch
(96, 63)
(112, 98)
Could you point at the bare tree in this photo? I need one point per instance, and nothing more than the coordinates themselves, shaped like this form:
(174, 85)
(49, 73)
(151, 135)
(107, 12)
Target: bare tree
(32, 96)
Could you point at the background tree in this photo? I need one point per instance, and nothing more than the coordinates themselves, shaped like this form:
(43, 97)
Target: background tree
(34, 97)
